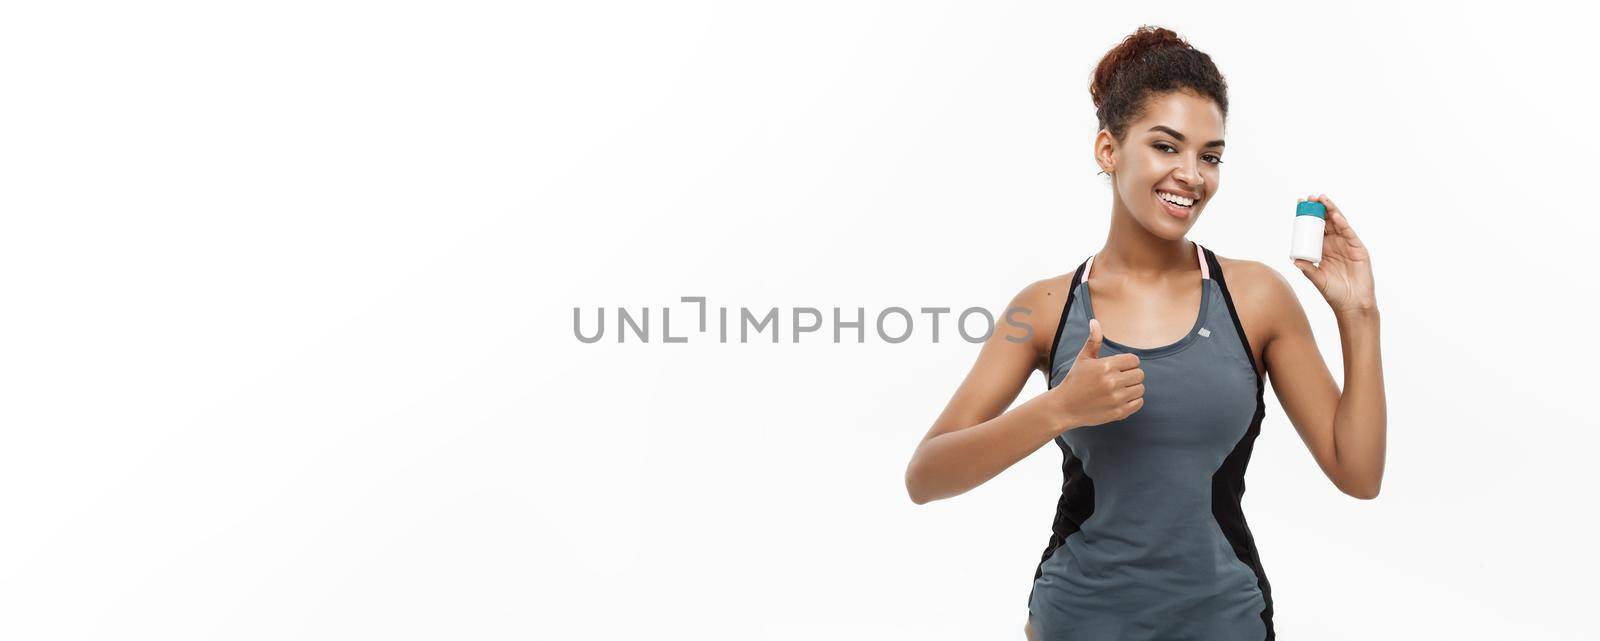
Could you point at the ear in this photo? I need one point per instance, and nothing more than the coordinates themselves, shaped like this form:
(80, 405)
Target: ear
(1105, 150)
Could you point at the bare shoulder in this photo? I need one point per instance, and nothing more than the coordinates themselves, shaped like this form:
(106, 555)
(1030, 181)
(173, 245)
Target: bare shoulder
(1046, 289)
(1039, 307)
(1261, 295)
(1043, 299)
(1254, 280)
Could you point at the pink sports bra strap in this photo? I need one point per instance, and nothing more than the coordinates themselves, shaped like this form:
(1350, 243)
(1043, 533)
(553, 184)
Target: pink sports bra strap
(1200, 252)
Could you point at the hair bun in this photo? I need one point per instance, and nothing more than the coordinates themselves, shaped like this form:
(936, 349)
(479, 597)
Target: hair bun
(1142, 40)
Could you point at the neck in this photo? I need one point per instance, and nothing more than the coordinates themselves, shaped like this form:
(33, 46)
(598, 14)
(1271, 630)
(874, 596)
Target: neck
(1131, 250)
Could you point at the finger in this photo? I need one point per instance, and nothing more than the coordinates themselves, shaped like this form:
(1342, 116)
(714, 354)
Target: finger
(1133, 376)
(1127, 378)
(1334, 213)
(1331, 217)
(1328, 202)
(1091, 345)
(1129, 393)
(1133, 405)
(1313, 273)
(1348, 233)
(1124, 362)
(1340, 221)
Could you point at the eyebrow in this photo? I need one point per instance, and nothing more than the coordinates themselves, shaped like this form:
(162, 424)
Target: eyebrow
(1174, 133)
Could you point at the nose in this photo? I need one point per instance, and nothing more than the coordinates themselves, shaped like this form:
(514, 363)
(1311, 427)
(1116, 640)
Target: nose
(1190, 174)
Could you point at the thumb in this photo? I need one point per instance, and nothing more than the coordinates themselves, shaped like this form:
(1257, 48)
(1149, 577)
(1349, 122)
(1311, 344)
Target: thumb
(1091, 347)
(1310, 270)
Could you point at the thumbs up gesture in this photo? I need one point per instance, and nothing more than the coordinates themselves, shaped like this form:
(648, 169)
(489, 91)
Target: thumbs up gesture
(1100, 390)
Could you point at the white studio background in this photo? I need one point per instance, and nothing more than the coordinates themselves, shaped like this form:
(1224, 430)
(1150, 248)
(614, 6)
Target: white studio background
(287, 332)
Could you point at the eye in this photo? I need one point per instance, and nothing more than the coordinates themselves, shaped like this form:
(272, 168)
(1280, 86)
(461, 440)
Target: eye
(1211, 158)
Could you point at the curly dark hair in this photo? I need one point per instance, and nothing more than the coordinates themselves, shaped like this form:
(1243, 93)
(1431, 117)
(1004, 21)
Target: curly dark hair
(1151, 61)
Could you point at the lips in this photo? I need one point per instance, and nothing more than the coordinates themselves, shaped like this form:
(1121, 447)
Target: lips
(1173, 210)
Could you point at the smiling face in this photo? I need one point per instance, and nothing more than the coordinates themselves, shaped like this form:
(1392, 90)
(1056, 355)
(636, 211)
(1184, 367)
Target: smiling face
(1173, 151)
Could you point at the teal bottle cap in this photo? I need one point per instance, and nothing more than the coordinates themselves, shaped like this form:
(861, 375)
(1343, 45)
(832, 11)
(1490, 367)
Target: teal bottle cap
(1311, 208)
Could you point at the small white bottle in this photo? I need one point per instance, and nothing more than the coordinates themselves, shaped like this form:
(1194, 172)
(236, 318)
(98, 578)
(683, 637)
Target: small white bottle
(1309, 221)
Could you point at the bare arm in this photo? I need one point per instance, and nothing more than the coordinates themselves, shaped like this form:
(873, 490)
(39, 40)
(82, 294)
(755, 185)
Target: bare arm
(1345, 431)
(1337, 427)
(972, 441)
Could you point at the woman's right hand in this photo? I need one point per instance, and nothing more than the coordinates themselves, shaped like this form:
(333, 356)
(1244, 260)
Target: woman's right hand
(1099, 390)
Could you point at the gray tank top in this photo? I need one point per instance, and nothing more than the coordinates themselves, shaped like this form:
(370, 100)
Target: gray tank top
(1149, 540)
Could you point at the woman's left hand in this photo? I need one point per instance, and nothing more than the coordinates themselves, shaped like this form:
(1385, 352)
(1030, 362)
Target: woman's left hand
(1345, 274)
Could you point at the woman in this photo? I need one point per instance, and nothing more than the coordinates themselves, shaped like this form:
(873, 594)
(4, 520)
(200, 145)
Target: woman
(1156, 370)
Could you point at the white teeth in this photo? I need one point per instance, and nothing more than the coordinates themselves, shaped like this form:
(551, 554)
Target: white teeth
(1175, 199)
